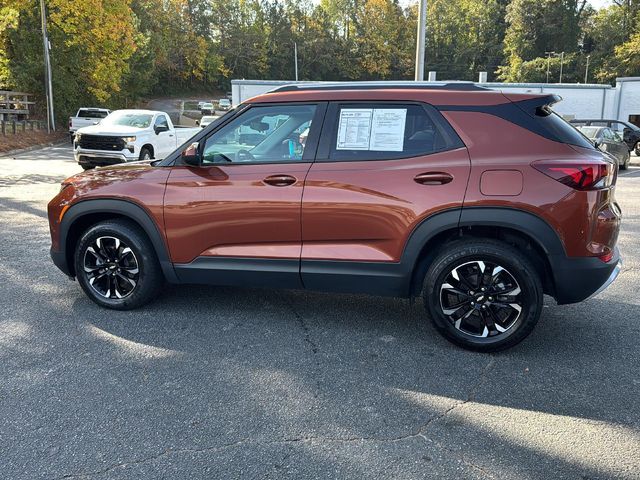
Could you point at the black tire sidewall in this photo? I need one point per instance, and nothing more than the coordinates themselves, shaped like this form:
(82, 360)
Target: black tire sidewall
(142, 154)
(150, 277)
(509, 258)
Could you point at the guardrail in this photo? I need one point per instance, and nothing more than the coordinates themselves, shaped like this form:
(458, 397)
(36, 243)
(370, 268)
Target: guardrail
(13, 127)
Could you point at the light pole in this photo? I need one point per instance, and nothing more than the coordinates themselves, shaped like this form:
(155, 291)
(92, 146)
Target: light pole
(561, 62)
(51, 121)
(586, 70)
(549, 54)
(422, 33)
(295, 57)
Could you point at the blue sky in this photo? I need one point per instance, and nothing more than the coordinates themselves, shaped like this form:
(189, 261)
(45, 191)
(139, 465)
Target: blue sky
(600, 3)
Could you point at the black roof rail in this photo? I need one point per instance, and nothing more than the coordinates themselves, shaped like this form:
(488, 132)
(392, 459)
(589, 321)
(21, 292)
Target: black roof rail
(382, 85)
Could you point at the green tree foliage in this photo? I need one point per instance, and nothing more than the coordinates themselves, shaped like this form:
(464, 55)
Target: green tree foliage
(114, 52)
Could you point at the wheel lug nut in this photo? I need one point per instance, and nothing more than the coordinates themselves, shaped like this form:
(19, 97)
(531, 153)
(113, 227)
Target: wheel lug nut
(484, 307)
(471, 292)
(473, 303)
(482, 289)
(490, 299)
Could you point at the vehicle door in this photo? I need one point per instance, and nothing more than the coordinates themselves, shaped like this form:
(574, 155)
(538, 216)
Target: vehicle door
(165, 138)
(620, 146)
(381, 168)
(607, 142)
(238, 215)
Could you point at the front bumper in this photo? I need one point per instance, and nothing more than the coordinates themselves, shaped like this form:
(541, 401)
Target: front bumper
(60, 261)
(577, 279)
(99, 158)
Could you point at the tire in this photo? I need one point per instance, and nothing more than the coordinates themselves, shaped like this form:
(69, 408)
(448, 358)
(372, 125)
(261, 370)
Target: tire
(624, 165)
(121, 260)
(145, 154)
(638, 149)
(513, 316)
(87, 167)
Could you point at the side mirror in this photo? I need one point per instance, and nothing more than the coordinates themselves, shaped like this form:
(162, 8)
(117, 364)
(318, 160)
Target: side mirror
(190, 155)
(161, 128)
(197, 122)
(597, 143)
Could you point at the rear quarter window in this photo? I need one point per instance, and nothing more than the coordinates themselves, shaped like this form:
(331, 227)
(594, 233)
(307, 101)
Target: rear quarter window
(559, 128)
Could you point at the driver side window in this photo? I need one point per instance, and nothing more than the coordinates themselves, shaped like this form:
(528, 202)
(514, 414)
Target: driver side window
(262, 134)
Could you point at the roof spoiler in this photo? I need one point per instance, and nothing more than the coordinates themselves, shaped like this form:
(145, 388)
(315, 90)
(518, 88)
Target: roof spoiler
(535, 105)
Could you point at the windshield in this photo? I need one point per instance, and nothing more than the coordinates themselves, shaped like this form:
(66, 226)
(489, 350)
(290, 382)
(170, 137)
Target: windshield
(589, 132)
(129, 119)
(224, 101)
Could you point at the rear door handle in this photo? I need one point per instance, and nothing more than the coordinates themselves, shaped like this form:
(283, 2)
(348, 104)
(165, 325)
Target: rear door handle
(433, 178)
(280, 180)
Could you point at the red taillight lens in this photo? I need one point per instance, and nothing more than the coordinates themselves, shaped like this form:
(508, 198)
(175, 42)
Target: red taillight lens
(587, 175)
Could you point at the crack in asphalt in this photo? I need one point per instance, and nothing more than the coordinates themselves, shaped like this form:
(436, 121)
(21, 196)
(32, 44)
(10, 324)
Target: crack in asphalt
(418, 433)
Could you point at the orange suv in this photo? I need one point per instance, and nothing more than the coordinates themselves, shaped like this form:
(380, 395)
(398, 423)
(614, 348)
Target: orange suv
(476, 200)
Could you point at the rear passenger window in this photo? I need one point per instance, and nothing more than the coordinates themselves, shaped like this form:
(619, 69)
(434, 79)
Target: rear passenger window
(389, 131)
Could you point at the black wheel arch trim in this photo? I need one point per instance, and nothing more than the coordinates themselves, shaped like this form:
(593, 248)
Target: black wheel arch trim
(528, 224)
(123, 208)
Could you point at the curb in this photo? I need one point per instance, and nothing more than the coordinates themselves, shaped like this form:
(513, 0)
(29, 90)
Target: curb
(18, 151)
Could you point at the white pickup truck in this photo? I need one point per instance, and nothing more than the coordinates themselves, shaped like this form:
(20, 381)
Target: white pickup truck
(127, 136)
(85, 117)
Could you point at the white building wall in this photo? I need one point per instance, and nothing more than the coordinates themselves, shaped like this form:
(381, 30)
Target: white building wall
(629, 98)
(578, 101)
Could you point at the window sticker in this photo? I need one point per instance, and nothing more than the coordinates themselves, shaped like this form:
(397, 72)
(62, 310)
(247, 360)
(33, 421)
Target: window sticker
(354, 129)
(387, 129)
(379, 129)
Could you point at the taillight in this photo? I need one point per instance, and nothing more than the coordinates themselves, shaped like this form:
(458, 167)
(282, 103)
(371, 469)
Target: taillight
(587, 175)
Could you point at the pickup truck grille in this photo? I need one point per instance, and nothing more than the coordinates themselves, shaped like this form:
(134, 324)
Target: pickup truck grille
(99, 142)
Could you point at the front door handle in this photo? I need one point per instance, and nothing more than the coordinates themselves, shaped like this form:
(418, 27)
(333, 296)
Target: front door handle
(280, 180)
(433, 178)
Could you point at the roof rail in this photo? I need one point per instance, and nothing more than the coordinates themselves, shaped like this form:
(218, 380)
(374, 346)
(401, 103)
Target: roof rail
(378, 85)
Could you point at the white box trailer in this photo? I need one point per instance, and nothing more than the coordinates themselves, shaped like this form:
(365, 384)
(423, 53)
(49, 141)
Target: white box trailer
(592, 101)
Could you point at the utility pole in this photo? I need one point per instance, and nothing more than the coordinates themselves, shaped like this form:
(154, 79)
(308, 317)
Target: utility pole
(422, 33)
(586, 70)
(561, 62)
(51, 122)
(295, 56)
(549, 62)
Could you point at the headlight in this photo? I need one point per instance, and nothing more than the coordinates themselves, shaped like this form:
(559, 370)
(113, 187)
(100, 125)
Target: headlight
(77, 137)
(129, 139)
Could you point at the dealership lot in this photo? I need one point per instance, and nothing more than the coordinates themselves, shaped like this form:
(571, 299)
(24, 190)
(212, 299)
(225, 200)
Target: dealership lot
(248, 383)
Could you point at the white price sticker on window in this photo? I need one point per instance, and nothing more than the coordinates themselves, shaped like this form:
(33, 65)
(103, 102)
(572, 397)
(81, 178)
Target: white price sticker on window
(379, 129)
(387, 129)
(354, 129)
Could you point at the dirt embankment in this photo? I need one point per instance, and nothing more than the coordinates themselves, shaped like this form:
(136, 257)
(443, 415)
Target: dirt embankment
(28, 139)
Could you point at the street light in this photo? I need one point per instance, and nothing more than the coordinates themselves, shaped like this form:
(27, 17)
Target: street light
(586, 70)
(51, 121)
(561, 62)
(549, 54)
(422, 32)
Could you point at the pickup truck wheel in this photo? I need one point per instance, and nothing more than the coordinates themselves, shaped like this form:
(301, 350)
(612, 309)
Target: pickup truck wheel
(116, 265)
(145, 154)
(637, 149)
(483, 295)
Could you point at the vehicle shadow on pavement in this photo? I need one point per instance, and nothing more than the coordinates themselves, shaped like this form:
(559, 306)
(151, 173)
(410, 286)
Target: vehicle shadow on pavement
(324, 373)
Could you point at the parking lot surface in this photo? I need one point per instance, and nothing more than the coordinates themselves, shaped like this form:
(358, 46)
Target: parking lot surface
(248, 383)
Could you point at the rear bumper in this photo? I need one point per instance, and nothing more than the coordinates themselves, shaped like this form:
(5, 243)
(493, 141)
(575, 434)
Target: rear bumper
(577, 279)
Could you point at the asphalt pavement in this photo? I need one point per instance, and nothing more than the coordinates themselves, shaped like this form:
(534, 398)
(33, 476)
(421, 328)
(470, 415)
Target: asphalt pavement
(255, 383)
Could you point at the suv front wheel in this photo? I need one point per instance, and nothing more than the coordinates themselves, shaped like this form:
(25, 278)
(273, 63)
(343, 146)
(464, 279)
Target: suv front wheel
(483, 294)
(116, 265)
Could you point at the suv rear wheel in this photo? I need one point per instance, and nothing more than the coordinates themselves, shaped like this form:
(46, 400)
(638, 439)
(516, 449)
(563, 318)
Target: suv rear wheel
(483, 294)
(116, 265)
